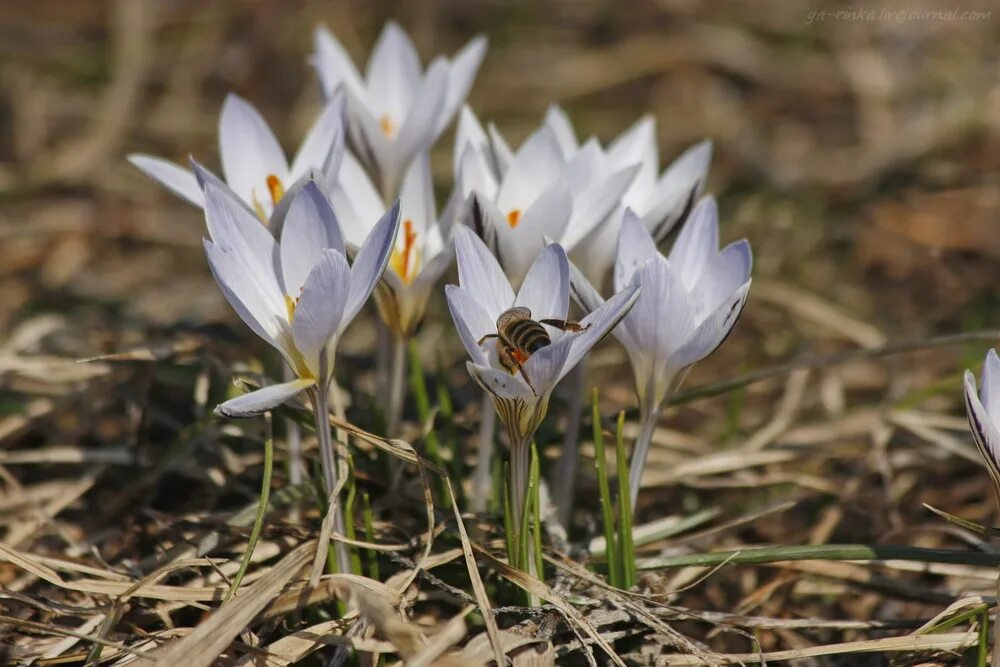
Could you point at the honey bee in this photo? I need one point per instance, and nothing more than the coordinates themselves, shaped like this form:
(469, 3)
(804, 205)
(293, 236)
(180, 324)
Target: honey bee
(518, 337)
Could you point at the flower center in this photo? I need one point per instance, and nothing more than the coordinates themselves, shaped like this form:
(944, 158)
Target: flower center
(514, 217)
(275, 189)
(405, 260)
(388, 127)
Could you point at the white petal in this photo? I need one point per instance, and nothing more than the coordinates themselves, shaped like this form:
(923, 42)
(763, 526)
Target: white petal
(990, 391)
(598, 325)
(584, 293)
(475, 174)
(250, 152)
(502, 155)
(334, 66)
(468, 132)
(170, 175)
(356, 201)
(309, 229)
(557, 120)
(678, 188)
(471, 321)
(661, 321)
(393, 72)
(501, 383)
(543, 369)
(725, 273)
(416, 198)
(480, 274)
(635, 248)
(262, 400)
(323, 147)
(256, 308)
(712, 331)
(537, 165)
(547, 217)
(464, 67)
(321, 307)
(984, 428)
(420, 129)
(596, 203)
(545, 290)
(697, 243)
(370, 263)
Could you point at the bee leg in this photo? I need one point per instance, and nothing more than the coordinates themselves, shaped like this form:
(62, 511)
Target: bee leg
(515, 364)
(481, 340)
(565, 325)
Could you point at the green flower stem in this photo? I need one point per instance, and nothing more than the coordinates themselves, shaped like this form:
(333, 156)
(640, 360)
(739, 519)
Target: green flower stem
(484, 456)
(258, 521)
(320, 396)
(369, 523)
(649, 415)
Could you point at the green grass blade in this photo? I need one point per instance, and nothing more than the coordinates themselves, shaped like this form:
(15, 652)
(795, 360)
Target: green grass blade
(607, 509)
(350, 532)
(534, 484)
(369, 523)
(265, 493)
(625, 544)
(508, 521)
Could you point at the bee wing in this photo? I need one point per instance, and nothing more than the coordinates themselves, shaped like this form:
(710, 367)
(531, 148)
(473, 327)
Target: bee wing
(512, 315)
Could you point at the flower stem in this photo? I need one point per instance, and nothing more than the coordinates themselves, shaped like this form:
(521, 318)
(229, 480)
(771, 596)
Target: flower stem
(484, 457)
(397, 381)
(564, 480)
(328, 458)
(520, 466)
(648, 416)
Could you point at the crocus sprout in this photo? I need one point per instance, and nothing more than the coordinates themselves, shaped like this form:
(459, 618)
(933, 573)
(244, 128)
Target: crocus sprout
(518, 199)
(690, 301)
(483, 294)
(397, 110)
(299, 294)
(983, 410)
(253, 162)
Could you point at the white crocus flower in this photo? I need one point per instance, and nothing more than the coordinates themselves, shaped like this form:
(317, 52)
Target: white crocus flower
(483, 294)
(253, 162)
(299, 293)
(983, 409)
(660, 200)
(397, 111)
(420, 256)
(690, 301)
(519, 199)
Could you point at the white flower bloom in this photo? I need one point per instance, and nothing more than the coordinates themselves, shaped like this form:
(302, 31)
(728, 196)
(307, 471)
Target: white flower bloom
(661, 201)
(299, 293)
(690, 301)
(397, 111)
(421, 254)
(253, 163)
(983, 409)
(483, 294)
(518, 199)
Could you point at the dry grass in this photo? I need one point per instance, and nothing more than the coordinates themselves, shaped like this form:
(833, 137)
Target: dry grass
(860, 159)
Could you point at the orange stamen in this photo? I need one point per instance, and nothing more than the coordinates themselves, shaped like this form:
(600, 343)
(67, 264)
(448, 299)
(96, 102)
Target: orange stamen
(513, 218)
(388, 128)
(519, 356)
(276, 189)
(404, 260)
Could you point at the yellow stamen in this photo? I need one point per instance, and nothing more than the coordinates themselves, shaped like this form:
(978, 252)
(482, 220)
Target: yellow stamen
(513, 218)
(388, 127)
(290, 304)
(276, 189)
(404, 261)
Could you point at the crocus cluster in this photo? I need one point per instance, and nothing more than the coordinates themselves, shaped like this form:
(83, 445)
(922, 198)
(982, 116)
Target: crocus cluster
(298, 247)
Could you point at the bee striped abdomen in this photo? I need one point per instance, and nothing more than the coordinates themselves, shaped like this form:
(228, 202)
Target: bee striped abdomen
(528, 335)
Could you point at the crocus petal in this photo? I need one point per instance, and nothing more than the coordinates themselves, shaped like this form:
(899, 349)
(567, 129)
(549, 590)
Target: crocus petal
(464, 67)
(324, 145)
(416, 197)
(677, 189)
(237, 231)
(595, 203)
(537, 165)
(393, 72)
(557, 120)
(480, 274)
(262, 400)
(471, 321)
(310, 228)
(501, 384)
(990, 392)
(635, 248)
(661, 320)
(249, 150)
(321, 306)
(583, 291)
(725, 273)
(637, 145)
(984, 429)
(503, 156)
(543, 369)
(547, 217)
(334, 66)
(545, 290)
(170, 175)
(419, 130)
(598, 325)
(469, 131)
(475, 173)
(711, 333)
(370, 263)
(356, 201)
(697, 243)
